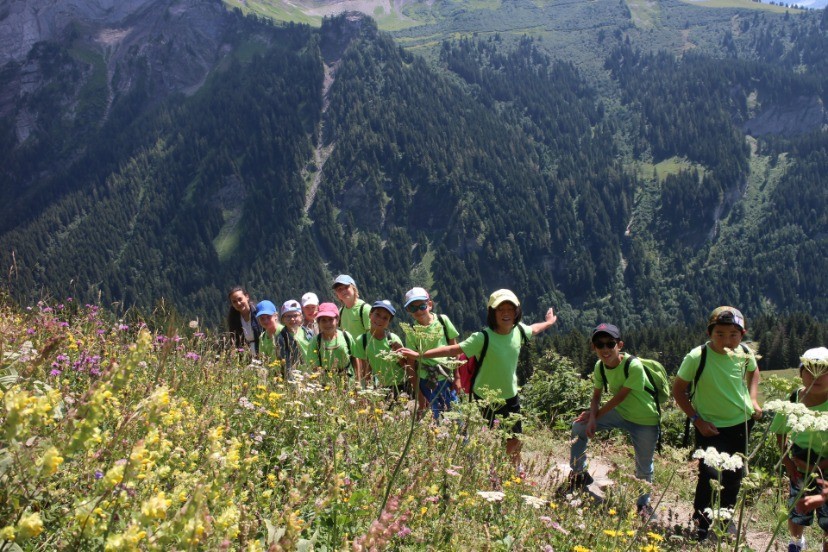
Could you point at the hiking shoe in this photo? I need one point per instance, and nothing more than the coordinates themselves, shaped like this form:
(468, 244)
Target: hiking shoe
(579, 481)
(794, 547)
(647, 513)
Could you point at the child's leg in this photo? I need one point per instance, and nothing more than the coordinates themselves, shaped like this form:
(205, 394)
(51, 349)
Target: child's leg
(644, 440)
(577, 452)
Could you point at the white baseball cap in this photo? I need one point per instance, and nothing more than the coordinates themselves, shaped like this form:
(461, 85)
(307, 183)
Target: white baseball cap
(310, 298)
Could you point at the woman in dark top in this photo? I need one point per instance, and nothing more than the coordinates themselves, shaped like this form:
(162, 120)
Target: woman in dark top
(241, 320)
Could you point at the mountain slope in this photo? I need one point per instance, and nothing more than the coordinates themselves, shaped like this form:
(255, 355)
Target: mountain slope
(622, 187)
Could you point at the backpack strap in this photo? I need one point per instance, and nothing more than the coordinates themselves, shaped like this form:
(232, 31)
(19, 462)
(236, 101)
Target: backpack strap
(365, 341)
(603, 376)
(362, 315)
(319, 348)
(444, 325)
(699, 370)
(479, 359)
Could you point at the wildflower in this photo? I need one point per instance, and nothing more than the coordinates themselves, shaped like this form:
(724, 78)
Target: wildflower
(7, 533)
(650, 548)
(192, 356)
(193, 324)
(720, 514)
(156, 507)
(492, 496)
(719, 460)
(534, 501)
(29, 526)
(50, 462)
(655, 536)
(579, 548)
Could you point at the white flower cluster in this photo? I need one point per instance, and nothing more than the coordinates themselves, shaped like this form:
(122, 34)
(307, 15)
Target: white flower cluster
(492, 496)
(533, 501)
(719, 460)
(800, 417)
(719, 514)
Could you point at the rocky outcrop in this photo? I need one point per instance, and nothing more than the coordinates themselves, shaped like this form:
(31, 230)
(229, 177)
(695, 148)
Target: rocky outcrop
(800, 116)
(23, 23)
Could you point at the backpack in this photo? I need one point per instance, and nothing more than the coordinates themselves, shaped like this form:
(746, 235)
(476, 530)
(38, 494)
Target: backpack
(471, 367)
(691, 392)
(657, 376)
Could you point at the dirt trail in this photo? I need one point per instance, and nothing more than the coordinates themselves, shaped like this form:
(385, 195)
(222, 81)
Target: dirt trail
(550, 472)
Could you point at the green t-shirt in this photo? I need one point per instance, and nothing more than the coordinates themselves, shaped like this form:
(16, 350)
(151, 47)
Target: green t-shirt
(268, 351)
(499, 370)
(355, 320)
(639, 406)
(333, 356)
(817, 441)
(386, 372)
(430, 337)
(722, 396)
(304, 341)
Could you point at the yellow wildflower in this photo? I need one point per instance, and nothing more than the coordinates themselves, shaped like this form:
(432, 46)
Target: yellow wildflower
(50, 462)
(156, 507)
(655, 536)
(579, 548)
(29, 526)
(7, 533)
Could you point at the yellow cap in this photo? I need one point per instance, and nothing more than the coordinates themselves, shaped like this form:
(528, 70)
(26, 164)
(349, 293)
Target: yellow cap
(500, 296)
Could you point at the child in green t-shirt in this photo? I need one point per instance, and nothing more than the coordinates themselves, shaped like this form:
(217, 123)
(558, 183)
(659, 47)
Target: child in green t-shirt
(354, 313)
(808, 450)
(373, 347)
(332, 349)
(631, 408)
(498, 372)
(437, 384)
(268, 319)
(723, 406)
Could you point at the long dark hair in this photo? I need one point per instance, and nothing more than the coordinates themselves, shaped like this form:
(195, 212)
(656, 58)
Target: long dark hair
(491, 316)
(234, 319)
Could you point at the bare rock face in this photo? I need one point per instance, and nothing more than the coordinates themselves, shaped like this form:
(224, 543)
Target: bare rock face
(800, 116)
(23, 23)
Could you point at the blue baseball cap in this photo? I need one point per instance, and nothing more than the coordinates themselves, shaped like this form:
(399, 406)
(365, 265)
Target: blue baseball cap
(384, 304)
(265, 307)
(343, 280)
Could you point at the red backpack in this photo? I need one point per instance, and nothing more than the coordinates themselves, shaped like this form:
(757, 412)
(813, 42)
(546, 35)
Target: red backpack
(469, 369)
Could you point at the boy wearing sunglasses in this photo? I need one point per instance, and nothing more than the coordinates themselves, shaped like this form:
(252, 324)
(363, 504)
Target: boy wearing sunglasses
(630, 408)
(438, 384)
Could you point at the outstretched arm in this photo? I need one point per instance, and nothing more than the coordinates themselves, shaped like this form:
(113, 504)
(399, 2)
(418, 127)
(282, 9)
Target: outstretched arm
(548, 322)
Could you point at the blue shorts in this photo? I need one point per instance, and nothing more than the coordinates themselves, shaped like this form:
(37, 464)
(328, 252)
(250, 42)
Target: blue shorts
(805, 520)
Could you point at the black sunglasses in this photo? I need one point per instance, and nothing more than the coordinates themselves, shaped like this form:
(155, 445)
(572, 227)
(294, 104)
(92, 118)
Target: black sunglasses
(605, 344)
(414, 308)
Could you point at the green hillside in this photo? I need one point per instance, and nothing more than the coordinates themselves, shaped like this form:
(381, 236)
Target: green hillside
(585, 167)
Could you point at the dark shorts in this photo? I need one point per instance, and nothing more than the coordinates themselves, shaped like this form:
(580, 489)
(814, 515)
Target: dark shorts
(512, 406)
(807, 519)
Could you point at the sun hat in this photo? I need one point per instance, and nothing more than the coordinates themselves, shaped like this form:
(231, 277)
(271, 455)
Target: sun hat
(327, 309)
(415, 294)
(343, 280)
(310, 298)
(501, 295)
(726, 315)
(609, 329)
(290, 306)
(384, 304)
(813, 358)
(265, 307)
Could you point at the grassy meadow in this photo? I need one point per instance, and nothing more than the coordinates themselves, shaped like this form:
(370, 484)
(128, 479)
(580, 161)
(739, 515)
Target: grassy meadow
(114, 436)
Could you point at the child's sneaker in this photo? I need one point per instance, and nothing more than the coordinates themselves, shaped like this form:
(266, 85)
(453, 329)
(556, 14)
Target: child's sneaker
(794, 547)
(579, 481)
(647, 513)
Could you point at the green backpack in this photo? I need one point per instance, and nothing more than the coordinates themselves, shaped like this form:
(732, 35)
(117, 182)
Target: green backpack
(657, 376)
